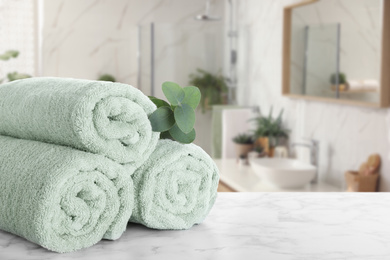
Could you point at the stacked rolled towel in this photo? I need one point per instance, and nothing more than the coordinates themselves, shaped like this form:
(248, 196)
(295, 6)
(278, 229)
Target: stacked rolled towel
(95, 116)
(175, 188)
(53, 194)
(61, 198)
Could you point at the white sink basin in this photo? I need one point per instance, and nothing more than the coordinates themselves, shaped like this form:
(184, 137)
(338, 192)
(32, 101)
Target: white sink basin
(282, 172)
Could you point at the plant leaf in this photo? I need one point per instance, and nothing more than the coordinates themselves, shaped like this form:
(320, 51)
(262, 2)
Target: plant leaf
(158, 102)
(15, 76)
(9, 54)
(279, 118)
(182, 137)
(162, 119)
(13, 53)
(185, 117)
(173, 92)
(192, 96)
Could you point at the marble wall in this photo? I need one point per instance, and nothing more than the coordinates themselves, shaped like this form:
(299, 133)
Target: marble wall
(347, 134)
(84, 39)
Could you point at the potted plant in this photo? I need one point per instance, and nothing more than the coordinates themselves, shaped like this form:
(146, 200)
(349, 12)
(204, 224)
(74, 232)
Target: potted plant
(269, 132)
(244, 144)
(342, 82)
(213, 88)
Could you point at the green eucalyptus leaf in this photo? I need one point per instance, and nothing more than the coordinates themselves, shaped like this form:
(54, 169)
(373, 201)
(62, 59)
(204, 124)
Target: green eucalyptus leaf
(162, 119)
(185, 117)
(158, 102)
(192, 96)
(182, 137)
(173, 92)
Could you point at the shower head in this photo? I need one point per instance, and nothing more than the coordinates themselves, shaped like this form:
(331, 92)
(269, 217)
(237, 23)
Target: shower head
(206, 16)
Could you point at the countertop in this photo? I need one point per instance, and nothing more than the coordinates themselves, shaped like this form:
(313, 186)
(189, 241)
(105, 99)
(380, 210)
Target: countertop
(243, 179)
(271, 226)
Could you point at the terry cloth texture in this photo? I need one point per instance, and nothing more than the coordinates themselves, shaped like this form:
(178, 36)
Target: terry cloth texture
(60, 198)
(96, 116)
(175, 188)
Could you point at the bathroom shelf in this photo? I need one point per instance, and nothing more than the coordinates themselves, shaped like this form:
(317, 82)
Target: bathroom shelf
(357, 91)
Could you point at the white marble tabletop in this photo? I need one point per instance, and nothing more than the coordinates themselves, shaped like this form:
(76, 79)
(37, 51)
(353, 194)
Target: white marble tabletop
(272, 226)
(242, 178)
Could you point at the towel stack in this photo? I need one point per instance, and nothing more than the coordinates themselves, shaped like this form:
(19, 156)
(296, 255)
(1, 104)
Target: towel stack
(78, 160)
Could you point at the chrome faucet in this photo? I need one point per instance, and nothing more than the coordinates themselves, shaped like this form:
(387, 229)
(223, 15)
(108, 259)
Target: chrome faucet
(313, 145)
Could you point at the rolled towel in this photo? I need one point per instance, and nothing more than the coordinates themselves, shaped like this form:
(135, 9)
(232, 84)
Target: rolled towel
(371, 84)
(367, 84)
(95, 116)
(60, 198)
(175, 188)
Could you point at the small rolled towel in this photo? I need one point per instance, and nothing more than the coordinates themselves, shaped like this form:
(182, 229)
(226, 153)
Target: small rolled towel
(175, 188)
(95, 116)
(366, 84)
(60, 198)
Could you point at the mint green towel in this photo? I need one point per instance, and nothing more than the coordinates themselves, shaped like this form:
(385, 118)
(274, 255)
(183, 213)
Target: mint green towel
(175, 188)
(60, 198)
(95, 116)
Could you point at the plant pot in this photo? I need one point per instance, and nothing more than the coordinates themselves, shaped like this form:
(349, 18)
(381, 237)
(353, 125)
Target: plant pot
(342, 87)
(224, 97)
(271, 152)
(269, 143)
(243, 149)
(263, 142)
(207, 105)
(274, 141)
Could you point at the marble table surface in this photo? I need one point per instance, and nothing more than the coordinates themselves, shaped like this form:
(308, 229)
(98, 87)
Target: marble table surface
(272, 226)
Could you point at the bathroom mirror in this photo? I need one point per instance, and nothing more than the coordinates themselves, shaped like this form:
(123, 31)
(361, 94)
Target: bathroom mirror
(338, 51)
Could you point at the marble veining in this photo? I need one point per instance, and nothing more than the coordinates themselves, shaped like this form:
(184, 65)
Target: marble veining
(277, 226)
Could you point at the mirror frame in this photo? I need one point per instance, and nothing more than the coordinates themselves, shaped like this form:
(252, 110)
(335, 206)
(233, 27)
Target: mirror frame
(384, 92)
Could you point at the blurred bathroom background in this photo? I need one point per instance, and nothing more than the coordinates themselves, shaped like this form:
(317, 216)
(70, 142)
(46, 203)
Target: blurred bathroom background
(235, 46)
